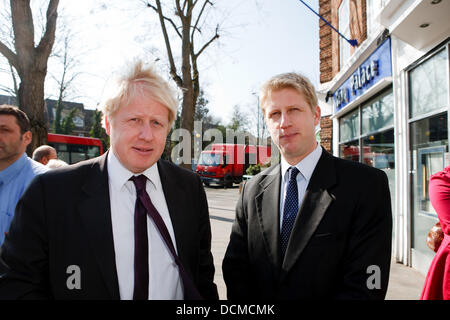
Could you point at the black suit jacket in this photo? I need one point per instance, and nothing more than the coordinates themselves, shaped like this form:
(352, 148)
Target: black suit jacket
(343, 228)
(64, 219)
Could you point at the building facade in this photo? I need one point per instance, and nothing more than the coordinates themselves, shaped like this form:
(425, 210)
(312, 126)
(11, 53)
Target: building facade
(83, 119)
(389, 98)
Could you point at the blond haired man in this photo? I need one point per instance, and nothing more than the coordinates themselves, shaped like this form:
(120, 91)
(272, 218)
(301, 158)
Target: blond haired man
(314, 226)
(125, 225)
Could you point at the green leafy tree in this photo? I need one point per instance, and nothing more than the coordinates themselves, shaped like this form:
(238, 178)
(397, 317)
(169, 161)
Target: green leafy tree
(97, 131)
(67, 124)
(57, 122)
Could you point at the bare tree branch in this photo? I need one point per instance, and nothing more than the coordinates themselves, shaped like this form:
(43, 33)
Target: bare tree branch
(11, 56)
(166, 18)
(200, 15)
(216, 36)
(47, 40)
(173, 68)
(184, 5)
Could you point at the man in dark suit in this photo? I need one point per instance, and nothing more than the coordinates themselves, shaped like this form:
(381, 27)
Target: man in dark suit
(314, 226)
(125, 225)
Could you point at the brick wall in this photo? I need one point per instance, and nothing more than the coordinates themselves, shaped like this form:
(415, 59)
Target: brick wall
(326, 133)
(329, 39)
(325, 36)
(329, 48)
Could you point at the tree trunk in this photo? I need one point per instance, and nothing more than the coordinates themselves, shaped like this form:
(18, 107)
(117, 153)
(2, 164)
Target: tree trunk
(187, 122)
(30, 63)
(33, 104)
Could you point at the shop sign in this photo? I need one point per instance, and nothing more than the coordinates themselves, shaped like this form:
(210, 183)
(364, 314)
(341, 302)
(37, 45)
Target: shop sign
(372, 70)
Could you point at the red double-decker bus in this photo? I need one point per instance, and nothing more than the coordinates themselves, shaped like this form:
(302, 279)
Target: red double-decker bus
(73, 149)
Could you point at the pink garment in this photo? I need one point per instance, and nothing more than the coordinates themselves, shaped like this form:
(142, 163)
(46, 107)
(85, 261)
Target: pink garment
(437, 283)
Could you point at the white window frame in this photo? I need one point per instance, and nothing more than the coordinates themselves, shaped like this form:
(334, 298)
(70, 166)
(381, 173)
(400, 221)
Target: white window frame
(344, 29)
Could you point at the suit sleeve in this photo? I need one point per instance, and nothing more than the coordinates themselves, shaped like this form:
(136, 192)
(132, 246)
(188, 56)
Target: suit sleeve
(24, 253)
(206, 286)
(367, 259)
(236, 263)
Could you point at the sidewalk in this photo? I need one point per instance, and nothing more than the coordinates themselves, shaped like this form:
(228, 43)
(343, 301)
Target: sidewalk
(405, 283)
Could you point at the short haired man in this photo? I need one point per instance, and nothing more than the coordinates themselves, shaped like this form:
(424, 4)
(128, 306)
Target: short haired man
(16, 168)
(44, 154)
(314, 226)
(126, 225)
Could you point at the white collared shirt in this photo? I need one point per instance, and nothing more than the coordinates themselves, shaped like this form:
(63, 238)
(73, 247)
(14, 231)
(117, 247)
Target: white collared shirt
(306, 167)
(164, 277)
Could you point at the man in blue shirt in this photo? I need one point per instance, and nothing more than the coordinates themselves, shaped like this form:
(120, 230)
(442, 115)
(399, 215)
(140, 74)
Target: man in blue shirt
(16, 169)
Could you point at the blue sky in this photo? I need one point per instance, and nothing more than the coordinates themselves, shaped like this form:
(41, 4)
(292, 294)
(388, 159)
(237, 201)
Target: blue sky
(259, 38)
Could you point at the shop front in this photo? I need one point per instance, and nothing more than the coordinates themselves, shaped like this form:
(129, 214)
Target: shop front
(428, 122)
(392, 114)
(364, 114)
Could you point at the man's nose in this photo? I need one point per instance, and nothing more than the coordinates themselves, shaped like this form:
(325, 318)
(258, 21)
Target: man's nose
(146, 132)
(284, 120)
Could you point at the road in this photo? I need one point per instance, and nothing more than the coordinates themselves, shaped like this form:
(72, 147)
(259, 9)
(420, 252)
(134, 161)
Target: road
(221, 203)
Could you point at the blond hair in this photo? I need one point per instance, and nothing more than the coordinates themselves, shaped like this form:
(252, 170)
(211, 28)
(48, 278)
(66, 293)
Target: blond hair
(289, 80)
(56, 163)
(139, 80)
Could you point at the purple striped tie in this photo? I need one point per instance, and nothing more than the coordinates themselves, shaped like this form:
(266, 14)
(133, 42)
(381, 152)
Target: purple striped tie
(144, 204)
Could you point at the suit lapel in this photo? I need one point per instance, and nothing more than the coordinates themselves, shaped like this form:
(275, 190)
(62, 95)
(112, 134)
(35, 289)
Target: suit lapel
(176, 200)
(267, 206)
(315, 203)
(95, 212)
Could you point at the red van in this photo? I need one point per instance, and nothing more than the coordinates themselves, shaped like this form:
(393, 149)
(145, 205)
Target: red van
(225, 164)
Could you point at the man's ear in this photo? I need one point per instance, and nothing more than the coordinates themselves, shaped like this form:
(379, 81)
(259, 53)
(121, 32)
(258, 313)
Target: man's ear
(317, 116)
(107, 126)
(27, 137)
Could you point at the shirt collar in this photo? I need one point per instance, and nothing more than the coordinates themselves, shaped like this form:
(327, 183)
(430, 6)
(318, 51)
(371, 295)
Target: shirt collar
(119, 175)
(14, 169)
(306, 166)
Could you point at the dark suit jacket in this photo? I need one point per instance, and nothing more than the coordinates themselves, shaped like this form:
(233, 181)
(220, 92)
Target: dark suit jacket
(64, 219)
(343, 227)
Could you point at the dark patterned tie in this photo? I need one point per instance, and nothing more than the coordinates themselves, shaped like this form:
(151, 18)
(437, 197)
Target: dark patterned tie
(146, 205)
(140, 243)
(290, 209)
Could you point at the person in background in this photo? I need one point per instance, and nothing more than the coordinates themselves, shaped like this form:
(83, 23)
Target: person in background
(125, 225)
(16, 168)
(44, 153)
(56, 163)
(437, 282)
(314, 226)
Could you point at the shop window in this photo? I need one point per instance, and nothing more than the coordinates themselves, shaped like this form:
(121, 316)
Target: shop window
(349, 150)
(378, 113)
(428, 85)
(429, 144)
(349, 126)
(344, 28)
(378, 150)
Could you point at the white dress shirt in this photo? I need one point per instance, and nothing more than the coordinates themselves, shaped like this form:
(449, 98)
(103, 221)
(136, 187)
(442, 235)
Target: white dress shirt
(164, 277)
(306, 168)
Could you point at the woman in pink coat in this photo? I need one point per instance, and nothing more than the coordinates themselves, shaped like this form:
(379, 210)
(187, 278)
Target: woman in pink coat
(437, 283)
